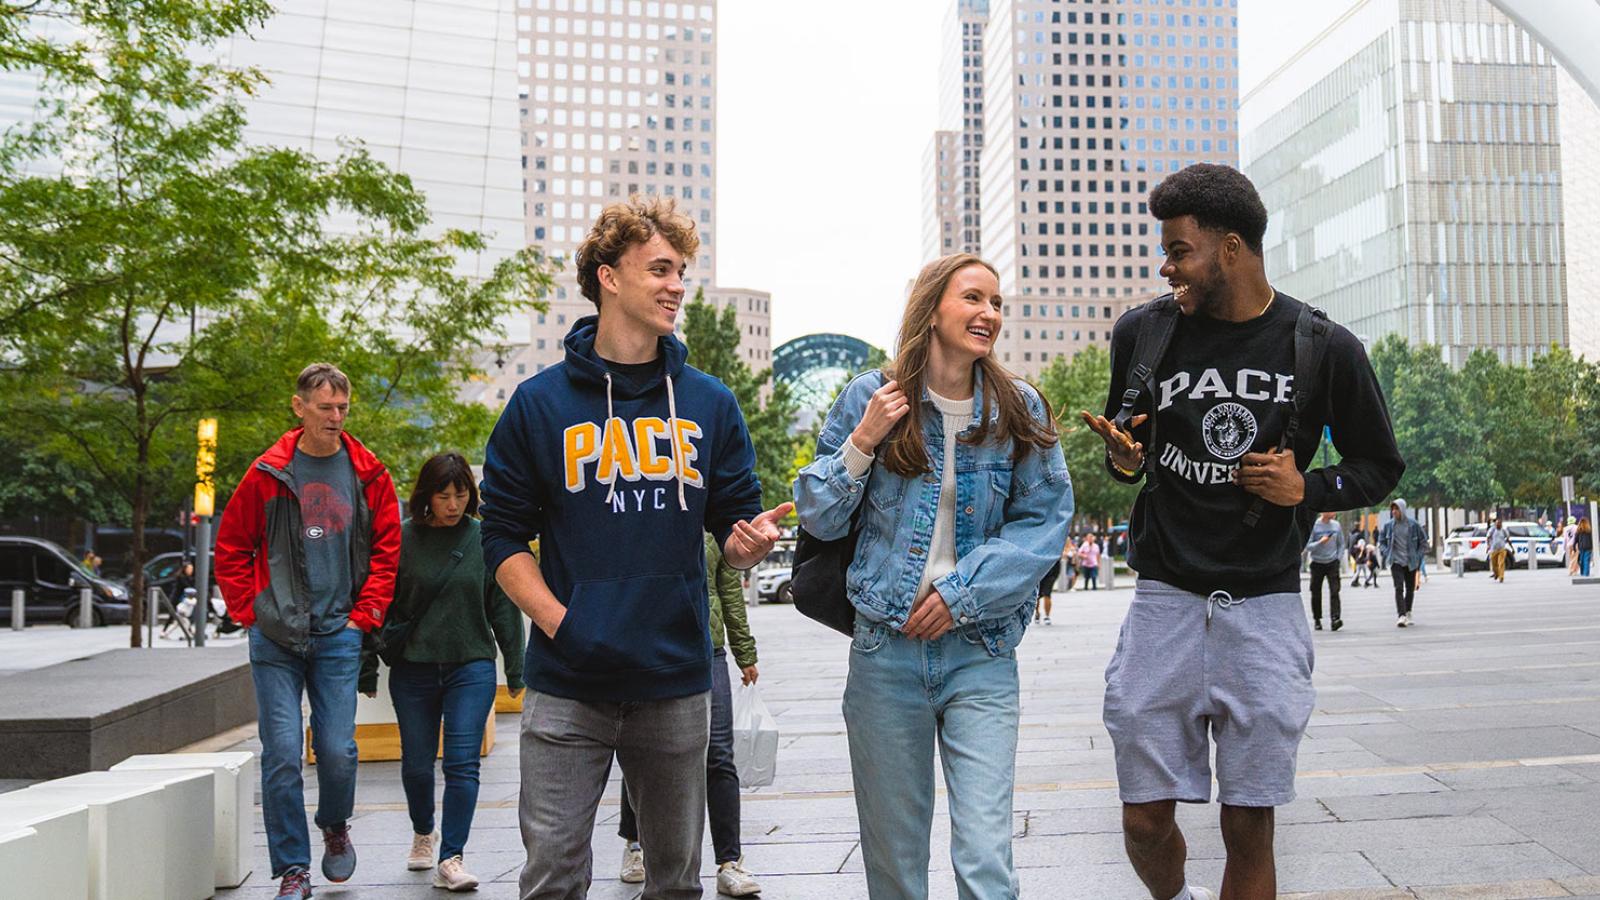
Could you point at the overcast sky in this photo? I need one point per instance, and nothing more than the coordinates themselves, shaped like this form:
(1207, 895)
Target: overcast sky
(825, 110)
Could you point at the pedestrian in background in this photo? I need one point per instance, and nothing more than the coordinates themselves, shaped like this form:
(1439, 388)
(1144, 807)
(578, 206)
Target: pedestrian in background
(730, 627)
(1401, 545)
(1046, 585)
(1089, 560)
(1584, 541)
(967, 502)
(306, 558)
(1327, 548)
(442, 677)
(1569, 538)
(1069, 561)
(1499, 543)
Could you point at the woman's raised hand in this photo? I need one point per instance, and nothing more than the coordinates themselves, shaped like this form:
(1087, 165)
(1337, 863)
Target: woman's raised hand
(887, 406)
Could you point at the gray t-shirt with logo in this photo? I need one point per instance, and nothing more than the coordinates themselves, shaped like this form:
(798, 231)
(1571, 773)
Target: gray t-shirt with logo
(326, 486)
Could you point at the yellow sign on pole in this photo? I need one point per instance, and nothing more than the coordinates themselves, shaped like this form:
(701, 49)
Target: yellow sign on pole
(205, 463)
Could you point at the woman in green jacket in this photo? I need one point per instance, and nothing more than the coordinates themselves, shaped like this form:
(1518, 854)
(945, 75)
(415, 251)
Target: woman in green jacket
(446, 674)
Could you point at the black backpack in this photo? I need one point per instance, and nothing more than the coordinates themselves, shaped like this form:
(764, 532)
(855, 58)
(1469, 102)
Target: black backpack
(1311, 333)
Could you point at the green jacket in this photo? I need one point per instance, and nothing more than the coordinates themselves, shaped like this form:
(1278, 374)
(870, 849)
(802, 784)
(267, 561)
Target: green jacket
(727, 607)
(465, 617)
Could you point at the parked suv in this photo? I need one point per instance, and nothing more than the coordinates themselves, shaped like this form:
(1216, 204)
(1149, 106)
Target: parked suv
(52, 578)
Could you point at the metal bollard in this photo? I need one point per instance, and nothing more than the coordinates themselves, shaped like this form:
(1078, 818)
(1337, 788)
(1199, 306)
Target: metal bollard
(1459, 566)
(1108, 571)
(85, 607)
(19, 609)
(155, 613)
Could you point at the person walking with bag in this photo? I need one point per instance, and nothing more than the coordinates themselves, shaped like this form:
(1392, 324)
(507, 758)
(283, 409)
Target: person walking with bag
(730, 627)
(964, 501)
(439, 641)
(1499, 549)
(1584, 542)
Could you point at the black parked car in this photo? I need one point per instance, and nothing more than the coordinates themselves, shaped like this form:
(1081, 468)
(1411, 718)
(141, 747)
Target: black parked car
(52, 578)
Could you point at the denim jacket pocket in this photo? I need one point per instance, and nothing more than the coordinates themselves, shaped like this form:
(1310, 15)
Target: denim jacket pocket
(996, 492)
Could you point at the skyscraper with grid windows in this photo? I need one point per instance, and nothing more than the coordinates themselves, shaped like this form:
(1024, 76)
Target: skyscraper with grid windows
(1087, 106)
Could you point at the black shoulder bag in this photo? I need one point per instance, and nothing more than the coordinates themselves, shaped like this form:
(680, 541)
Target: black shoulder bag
(389, 639)
(817, 580)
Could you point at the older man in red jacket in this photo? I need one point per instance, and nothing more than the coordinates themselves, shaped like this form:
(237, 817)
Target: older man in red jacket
(306, 558)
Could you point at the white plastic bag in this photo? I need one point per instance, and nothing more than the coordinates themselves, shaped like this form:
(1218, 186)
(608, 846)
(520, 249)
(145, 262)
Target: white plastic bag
(755, 737)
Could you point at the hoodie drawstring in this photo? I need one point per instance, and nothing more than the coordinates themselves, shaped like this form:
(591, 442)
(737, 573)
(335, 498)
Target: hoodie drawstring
(677, 461)
(607, 430)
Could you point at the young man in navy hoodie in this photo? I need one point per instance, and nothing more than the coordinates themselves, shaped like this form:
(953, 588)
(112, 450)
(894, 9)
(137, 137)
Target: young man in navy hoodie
(618, 459)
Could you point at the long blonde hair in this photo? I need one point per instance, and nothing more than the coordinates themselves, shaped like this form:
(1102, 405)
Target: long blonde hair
(904, 451)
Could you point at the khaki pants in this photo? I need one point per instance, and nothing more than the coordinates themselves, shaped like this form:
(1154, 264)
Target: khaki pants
(1497, 564)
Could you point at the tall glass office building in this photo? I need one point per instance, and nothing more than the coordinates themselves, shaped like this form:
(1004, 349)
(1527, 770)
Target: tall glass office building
(1087, 106)
(1410, 161)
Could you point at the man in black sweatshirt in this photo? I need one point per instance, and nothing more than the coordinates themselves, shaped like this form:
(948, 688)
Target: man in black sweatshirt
(1216, 644)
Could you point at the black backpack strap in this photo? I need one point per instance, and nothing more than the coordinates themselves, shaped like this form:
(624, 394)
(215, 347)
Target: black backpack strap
(1312, 331)
(1155, 335)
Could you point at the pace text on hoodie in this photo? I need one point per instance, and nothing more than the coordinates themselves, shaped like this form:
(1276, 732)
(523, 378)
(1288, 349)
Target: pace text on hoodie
(619, 482)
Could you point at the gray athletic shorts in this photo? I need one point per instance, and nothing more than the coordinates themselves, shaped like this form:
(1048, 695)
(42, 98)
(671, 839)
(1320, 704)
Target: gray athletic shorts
(1246, 678)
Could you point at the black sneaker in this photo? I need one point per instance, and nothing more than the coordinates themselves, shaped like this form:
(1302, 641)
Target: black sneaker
(296, 885)
(1338, 624)
(338, 854)
(1317, 624)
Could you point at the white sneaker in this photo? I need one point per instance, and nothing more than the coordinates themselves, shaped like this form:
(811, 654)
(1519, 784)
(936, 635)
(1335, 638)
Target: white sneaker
(1408, 619)
(452, 875)
(733, 880)
(632, 864)
(1400, 622)
(423, 849)
(1200, 893)
(1047, 620)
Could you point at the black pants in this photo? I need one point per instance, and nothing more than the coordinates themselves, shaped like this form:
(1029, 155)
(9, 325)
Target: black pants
(722, 779)
(1405, 588)
(1328, 571)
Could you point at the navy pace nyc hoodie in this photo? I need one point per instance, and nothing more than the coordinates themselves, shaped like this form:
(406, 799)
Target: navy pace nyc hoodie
(619, 481)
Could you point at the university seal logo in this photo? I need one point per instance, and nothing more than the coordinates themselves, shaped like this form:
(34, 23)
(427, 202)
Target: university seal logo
(1229, 430)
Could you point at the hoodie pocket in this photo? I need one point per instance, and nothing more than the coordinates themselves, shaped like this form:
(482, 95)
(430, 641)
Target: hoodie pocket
(633, 624)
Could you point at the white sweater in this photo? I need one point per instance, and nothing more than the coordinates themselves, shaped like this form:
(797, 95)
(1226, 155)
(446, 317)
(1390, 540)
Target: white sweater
(941, 558)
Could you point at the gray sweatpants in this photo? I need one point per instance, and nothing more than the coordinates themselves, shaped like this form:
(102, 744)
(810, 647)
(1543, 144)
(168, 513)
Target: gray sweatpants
(567, 747)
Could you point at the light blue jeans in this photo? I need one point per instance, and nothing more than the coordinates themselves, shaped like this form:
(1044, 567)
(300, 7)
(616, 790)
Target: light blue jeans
(903, 697)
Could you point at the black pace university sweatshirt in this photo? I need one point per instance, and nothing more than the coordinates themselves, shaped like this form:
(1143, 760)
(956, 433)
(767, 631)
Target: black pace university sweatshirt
(1225, 389)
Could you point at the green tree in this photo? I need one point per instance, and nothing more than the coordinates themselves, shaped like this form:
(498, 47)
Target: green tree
(713, 340)
(1439, 439)
(1081, 383)
(171, 271)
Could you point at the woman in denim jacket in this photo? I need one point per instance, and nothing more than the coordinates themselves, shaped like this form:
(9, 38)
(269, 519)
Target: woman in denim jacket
(967, 505)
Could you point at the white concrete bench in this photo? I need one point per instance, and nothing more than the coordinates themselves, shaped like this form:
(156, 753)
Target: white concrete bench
(188, 834)
(63, 848)
(127, 858)
(20, 856)
(234, 781)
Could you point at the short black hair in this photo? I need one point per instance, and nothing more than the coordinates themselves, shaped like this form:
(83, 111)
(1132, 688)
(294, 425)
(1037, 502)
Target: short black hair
(439, 472)
(1220, 199)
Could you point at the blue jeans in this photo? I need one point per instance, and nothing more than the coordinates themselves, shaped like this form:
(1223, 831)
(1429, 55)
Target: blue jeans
(902, 698)
(1583, 562)
(459, 696)
(327, 675)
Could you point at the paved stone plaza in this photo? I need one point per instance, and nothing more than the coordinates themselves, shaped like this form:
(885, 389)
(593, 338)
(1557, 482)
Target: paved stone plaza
(1459, 758)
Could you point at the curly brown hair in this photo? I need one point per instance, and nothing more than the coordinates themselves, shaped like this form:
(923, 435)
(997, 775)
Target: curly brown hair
(620, 226)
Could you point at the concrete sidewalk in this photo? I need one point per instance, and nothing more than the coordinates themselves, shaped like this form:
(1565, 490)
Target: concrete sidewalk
(1458, 758)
